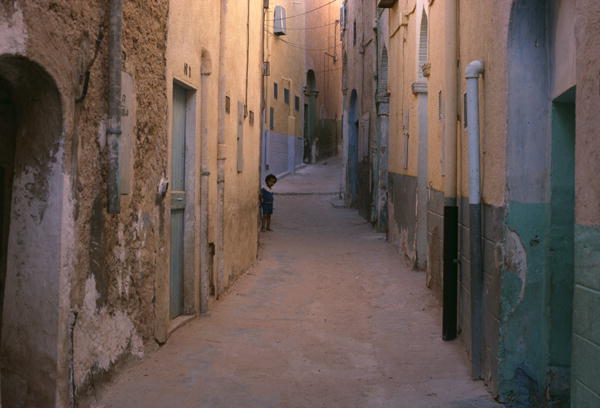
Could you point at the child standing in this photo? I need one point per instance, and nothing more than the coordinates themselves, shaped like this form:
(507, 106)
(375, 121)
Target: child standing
(266, 202)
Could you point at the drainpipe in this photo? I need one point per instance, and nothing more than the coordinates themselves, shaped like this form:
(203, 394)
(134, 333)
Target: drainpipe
(450, 243)
(221, 153)
(473, 71)
(113, 133)
(204, 180)
(263, 113)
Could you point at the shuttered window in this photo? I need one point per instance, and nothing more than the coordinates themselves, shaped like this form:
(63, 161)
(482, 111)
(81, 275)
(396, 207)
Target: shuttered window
(279, 22)
(423, 45)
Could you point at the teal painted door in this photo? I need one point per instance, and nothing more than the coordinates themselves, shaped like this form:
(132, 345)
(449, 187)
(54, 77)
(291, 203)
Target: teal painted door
(7, 152)
(177, 199)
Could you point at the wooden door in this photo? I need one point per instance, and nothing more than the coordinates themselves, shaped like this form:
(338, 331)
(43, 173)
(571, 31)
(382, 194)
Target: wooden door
(178, 199)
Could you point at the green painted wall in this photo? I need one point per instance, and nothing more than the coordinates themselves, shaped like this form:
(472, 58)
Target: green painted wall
(585, 380)
(523, 329)
(561, 250)
(537, 284)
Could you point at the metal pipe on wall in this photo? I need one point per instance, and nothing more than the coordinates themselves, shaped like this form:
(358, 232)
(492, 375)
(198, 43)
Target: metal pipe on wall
(473, 71)
(204, 179)
(221, 153)
(113, 132)
(450, 242)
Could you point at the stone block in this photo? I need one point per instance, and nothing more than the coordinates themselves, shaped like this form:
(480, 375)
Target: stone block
(586, 360)
(586, 306)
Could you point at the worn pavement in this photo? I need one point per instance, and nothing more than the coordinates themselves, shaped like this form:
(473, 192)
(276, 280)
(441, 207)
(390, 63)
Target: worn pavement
(329, 317)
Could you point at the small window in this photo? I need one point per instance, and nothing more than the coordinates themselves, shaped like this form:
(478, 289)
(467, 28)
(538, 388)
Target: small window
(440, 107)
(271, 118)
(297, 103)
(275, 90)
(279, 22)
(286, 96)
(354, 33)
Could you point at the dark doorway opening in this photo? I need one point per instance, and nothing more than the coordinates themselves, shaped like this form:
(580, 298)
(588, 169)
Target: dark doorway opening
(31, 242)
(353, 162)
(561, 245)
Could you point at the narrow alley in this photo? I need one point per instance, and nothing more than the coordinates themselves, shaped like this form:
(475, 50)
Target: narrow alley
(436, 229)
(329, 317)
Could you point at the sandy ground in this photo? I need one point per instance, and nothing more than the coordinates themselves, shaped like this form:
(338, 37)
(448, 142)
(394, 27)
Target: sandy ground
(330, 317)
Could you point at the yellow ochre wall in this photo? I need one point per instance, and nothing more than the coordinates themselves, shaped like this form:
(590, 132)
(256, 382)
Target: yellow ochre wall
(286, 56)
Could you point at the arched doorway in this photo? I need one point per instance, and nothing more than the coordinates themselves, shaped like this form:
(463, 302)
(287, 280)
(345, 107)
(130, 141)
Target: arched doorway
(353, 149)
(32, 207)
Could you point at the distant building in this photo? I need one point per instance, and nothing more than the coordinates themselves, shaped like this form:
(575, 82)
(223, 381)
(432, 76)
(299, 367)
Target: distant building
(283, 139)
(301, 85)
(364, 139)
(323, 79)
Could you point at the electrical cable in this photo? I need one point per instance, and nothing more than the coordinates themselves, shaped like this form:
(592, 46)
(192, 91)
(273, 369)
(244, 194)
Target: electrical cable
(306, 12)
(302, 46)
(310, 28)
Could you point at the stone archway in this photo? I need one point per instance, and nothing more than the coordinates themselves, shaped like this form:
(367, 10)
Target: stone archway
(32, 214)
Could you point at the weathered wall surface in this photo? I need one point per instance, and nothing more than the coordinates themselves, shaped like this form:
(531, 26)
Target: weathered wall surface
(105, 264)
(105, 292)
(360, 59)
(242, 182)
(482, 29)
(404, 21)
(586, 353)
(119, 256)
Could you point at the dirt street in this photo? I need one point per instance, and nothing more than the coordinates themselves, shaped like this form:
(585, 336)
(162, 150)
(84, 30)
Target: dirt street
(329, 317)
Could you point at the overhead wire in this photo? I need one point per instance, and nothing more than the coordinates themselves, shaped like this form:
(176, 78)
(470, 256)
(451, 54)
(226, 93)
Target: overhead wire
(310, 28)
(306, 12)
(302, 46)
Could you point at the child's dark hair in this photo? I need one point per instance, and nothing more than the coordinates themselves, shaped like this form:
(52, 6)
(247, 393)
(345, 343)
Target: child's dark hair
(270, 177)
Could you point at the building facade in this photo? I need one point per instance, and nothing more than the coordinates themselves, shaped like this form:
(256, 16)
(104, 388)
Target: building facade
(359, 85)
(129, 179)
(283, 140)
(323, 97)
(301, 85)
(490, 186)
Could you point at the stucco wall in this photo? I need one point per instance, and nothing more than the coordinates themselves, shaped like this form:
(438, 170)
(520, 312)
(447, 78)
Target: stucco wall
(105, 264)
(323, 39)
(360, 62)
(286, 56)
(586, 353)
(241, 188)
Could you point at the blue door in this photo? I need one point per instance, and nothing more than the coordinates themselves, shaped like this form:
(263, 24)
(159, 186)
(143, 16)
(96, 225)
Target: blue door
(177, 199)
